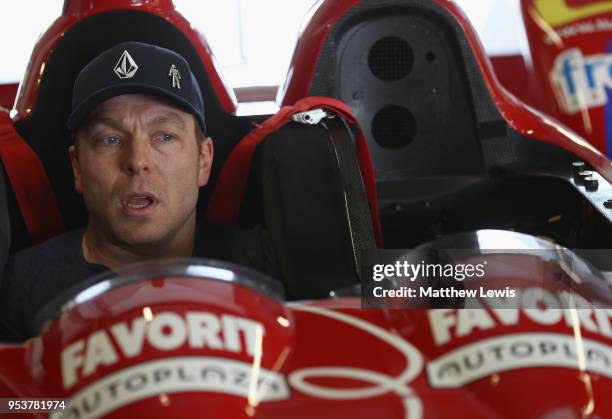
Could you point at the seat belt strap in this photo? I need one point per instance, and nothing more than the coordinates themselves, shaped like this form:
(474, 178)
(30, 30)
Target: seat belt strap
(30, 183)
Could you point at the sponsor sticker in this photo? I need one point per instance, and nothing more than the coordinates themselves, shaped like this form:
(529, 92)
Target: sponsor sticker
(165, 331)
(517, 351)
(174, 375)
(562, 12)
(580, 82)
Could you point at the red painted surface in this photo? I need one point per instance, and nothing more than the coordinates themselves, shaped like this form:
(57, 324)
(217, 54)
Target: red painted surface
(7, 95)
(526, 121)
(324, 359)
(76, 10)
(514, 76)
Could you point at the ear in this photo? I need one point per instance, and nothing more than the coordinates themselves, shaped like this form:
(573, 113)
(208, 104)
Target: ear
(76, 168)
(206, 159)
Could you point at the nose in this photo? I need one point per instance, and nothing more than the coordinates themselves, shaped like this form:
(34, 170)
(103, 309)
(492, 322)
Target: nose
(137, 159)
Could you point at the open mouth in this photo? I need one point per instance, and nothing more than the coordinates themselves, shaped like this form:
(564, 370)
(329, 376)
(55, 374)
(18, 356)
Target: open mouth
(138, 201)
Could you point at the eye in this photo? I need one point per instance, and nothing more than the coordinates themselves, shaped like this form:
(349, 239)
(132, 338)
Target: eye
(166, 137)
(110, 140)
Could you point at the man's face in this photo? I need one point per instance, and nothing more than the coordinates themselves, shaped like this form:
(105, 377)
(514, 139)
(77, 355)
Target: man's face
(138, 165)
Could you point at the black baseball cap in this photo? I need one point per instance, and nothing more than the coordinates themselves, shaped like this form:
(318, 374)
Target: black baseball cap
(135, 67)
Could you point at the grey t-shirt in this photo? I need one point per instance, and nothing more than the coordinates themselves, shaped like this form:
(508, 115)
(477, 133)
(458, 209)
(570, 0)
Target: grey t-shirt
(35, 276)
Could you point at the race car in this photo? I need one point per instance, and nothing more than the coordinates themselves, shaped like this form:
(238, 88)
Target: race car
(408, 142)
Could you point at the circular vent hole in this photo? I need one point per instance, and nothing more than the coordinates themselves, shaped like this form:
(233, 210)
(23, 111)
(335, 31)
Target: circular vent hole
(394, 127)
(390, 58)
(430, 56)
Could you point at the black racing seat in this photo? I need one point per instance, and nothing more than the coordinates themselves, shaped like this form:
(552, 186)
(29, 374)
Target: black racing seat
(421, 87)
(406, 71)
(440, 126)
(312, 187)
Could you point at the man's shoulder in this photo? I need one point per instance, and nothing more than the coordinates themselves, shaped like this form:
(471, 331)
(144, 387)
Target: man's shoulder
(29, 279)
(35, 276)
(56, 251)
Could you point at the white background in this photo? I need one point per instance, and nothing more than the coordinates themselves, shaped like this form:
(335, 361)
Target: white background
(259, 53)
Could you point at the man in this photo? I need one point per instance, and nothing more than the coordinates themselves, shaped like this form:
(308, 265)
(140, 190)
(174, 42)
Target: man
(139, 157)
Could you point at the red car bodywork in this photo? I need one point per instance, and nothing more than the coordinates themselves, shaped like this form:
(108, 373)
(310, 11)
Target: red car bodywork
(184, 346)
(7, 95)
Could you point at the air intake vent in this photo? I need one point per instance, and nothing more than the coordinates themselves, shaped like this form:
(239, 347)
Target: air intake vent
(391, 58)
(394, 127)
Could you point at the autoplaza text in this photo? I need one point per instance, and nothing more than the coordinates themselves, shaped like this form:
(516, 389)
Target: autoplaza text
(516, 351)
(174, 375)
(166, 331)
(535, 304)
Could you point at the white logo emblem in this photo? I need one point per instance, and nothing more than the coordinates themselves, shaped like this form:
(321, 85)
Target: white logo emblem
(126, 67)
(304, 379)
(176, 76)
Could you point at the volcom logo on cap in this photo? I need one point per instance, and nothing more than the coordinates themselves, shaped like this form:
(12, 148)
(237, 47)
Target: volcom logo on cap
(126, 67)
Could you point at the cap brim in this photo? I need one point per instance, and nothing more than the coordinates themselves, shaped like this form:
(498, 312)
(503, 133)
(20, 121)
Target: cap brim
(83, 109)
